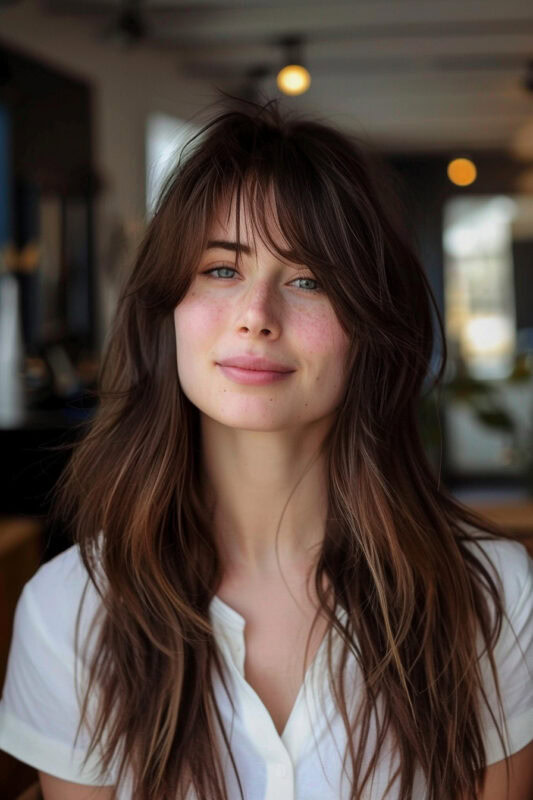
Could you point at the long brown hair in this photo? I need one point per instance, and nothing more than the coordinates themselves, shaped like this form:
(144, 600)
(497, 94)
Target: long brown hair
(393, 553)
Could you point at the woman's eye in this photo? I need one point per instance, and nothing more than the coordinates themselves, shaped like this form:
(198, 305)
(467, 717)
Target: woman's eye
(218, 269)
(310, 280)
(315, 288)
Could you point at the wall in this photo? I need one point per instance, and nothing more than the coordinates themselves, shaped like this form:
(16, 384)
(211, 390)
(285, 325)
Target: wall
(127, 86)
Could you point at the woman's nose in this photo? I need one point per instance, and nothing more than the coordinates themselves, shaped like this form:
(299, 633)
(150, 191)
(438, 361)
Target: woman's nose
(260, 309)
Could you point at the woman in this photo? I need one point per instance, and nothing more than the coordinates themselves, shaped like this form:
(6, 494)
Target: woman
(282, 600)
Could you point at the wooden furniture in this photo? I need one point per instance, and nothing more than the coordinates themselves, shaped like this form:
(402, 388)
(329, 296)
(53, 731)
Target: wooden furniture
(21, 549)
(516, 518)
(20, 556)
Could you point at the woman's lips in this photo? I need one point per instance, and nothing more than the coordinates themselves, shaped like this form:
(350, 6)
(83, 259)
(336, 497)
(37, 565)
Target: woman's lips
(252, 377)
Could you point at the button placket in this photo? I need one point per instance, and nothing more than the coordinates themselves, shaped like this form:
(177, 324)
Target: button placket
(281, 782)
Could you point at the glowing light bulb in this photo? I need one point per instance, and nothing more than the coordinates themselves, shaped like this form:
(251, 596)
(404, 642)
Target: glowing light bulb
(462, 171)
(293, 79)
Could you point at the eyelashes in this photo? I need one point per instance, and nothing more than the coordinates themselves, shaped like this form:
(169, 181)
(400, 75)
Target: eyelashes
(315, 290)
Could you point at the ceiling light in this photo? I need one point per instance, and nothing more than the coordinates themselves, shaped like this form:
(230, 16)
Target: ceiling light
(462, 171)
(293, 78)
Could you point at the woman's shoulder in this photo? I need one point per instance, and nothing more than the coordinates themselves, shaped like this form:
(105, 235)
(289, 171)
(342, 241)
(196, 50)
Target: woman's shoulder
(60, 580)
(39, 708)
(66, 568)
(508, 560)
(51, 599)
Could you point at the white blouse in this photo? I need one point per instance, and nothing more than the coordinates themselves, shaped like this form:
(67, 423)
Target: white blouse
(39, 710)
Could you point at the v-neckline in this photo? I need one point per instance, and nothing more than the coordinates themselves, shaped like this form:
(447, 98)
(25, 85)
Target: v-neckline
(230, 617)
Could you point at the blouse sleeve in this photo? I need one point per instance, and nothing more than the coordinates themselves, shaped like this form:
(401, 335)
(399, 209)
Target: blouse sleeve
(39, 710)
(513, 657)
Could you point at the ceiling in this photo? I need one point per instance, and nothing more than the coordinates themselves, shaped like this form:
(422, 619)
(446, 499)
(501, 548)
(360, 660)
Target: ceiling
(413, 75)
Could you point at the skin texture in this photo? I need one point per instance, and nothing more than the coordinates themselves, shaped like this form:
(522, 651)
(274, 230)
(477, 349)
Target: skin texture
(54, 788)
(258, 441)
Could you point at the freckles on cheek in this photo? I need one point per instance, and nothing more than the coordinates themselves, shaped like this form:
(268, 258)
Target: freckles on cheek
(199, 318)
(320, 333)
(326, 346)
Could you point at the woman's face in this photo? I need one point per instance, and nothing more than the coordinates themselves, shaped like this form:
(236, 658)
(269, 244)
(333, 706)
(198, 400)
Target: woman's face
(265, 308)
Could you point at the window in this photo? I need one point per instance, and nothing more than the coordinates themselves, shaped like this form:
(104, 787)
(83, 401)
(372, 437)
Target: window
(165, 137)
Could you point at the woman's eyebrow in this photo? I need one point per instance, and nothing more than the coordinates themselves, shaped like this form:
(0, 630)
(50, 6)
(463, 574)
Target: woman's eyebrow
(225, 245)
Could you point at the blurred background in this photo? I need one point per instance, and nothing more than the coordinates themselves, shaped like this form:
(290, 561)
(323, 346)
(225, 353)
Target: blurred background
(96, 99)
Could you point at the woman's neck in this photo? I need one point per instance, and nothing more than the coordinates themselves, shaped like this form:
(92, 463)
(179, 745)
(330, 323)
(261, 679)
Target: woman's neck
(261, 485)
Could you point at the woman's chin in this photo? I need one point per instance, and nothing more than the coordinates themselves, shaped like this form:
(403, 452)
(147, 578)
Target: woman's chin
(249, 421)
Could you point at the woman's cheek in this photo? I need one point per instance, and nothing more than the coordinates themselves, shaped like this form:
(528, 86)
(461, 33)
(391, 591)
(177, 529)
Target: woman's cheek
(322, 333)
(327, 345)
(195, 318)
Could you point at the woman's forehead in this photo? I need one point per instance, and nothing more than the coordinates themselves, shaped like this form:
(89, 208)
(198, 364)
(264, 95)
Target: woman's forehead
(223, 225)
